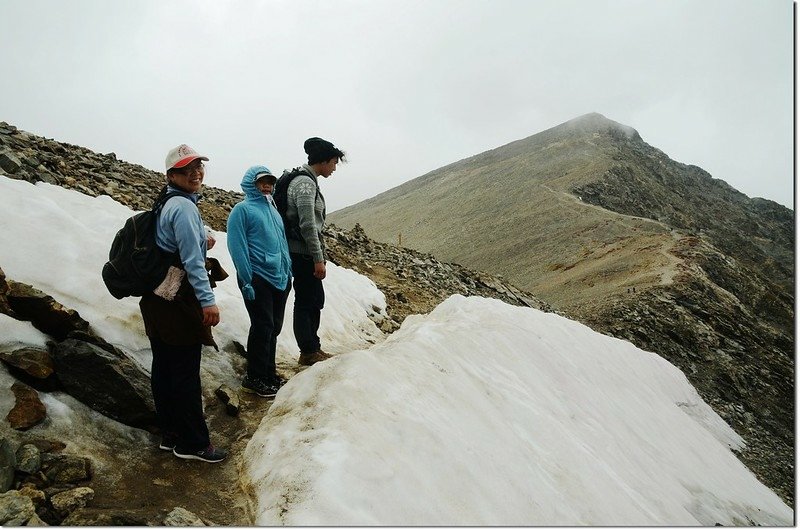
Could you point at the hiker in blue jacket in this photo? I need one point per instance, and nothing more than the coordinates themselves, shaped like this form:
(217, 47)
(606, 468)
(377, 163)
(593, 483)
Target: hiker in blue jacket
(178, 319)
(257, 244)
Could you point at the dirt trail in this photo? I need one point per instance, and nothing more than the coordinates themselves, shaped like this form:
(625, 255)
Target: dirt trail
(568, 197)
(667, 271)
(152, 482)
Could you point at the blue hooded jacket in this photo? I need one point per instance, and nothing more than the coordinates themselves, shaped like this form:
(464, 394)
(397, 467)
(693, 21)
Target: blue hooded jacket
(180, 229)
(256, 238)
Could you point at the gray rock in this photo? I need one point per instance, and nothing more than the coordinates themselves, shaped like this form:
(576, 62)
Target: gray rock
(182, 517)
(29, 459)
(105, 380)
(46, 176)
(66, 468)
(31, 161)
(9, 162)
(15, 509)
(229, 398)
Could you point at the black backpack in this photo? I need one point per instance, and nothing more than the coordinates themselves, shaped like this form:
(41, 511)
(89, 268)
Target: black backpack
(136, 265)
(281, 197)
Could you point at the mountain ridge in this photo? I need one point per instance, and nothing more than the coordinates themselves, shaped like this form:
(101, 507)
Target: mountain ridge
(673, 323)
(590, 218)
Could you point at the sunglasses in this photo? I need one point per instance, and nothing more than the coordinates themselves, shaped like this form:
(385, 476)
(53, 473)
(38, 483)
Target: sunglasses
(191, 168)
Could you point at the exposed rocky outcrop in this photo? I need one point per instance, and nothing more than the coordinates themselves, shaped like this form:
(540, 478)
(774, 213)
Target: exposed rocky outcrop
(33, 158)
(78, 362)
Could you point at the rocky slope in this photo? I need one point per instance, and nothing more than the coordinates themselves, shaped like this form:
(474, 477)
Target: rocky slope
(611, 231)
(42, 480)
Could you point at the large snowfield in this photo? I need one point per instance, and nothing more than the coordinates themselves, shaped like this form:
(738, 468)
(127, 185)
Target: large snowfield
(478, 413)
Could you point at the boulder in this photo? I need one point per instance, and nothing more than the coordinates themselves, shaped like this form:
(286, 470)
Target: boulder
(15, 509)
(106, 381)
(46, 315)
(28, 409)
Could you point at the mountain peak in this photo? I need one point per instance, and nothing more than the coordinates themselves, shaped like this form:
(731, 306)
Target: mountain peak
(594, 122)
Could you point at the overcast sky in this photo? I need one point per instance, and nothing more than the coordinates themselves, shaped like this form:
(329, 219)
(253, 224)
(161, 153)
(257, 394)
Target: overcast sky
(403, 87)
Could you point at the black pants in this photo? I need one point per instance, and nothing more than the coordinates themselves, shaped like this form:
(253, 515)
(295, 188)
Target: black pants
(266, 320)
(175, 380)
(309, 299)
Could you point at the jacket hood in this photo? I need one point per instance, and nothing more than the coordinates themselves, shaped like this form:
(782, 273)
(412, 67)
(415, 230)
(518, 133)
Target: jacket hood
(249, 181)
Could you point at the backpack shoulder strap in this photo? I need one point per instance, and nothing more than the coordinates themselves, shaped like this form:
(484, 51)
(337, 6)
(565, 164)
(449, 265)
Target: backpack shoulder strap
(162, 198)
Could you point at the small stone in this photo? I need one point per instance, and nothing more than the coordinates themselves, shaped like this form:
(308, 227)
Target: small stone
(36, 495)
(229, 398)
(66, 468)
(70, 500)
(28, 409)
(29, 459)
(9, 162)
(182, 517)
(35, 362)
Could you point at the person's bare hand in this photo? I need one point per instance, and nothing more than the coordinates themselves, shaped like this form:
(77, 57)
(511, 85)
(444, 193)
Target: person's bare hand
(210, 242)
(210, 315)
(319, 270)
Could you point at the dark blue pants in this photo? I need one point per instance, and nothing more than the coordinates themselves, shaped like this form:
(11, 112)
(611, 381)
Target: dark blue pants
(175, 380)
(309, 299)
(266, 321)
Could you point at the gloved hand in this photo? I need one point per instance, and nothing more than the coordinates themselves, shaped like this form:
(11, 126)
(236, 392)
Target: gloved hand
(248, 292)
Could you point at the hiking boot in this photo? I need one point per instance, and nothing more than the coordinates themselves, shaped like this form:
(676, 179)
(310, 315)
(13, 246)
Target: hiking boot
(307, 359)
(259, 387)
(210, 454)
(277, 381)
